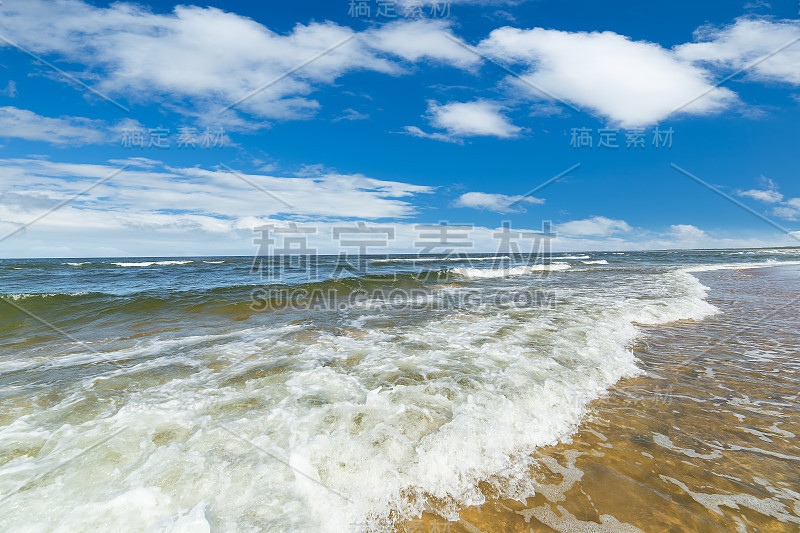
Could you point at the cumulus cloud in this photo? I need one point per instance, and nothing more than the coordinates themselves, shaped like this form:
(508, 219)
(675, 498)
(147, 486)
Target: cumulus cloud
(788, 209)
(631, 83)
(198, 60)
(746, 41)
(417, 40)
(213, 58)
(24, 124)
(499, 203)
(595, 226)
(768, 195)
(687, 232)
(481, 118)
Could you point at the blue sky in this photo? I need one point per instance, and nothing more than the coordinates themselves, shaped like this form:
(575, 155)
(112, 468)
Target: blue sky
(453, 115)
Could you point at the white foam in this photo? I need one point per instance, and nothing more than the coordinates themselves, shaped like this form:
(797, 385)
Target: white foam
(598, 262)
(437, 259)
(739, 266)
(395, 417)
(575, 257)
(484, 273)
(24, 296)
(151, 263)
(76, 264)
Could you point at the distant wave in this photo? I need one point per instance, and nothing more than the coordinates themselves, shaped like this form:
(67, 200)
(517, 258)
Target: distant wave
(481, 273)
(598, 262)
(24, 296)
(76, 264)
(213, 262)
(151, 263)
(431, 259)
(739, 266)
(575, 257)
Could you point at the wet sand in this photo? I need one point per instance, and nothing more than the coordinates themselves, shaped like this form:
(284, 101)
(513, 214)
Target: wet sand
(705, 440)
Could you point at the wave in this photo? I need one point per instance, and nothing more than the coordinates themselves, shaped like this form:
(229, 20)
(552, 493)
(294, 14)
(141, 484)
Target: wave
(151, 263)
(483, 273)
(598, 262)
(25, 296)
(398, 418)
(272, 295)
(739, 266)
(76, 264)
(574, 257)
(438, 259)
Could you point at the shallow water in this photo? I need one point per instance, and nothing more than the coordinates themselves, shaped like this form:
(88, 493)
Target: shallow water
(164, 395)
(706, 440)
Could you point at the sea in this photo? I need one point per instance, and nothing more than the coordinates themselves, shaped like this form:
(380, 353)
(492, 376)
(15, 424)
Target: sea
(590, 391)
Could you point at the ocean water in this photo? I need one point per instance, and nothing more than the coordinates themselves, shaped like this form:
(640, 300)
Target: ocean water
(705, 439)
(164, 394)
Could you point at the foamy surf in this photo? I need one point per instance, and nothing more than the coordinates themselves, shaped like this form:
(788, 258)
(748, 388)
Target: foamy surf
(485, 273)
(152, 263)
(438, 259)
(322, 421)
(739, 266)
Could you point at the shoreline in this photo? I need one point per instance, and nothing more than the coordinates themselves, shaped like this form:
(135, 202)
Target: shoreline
(612, 474)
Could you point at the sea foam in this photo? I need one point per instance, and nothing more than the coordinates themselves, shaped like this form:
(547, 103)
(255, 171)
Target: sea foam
(300, 428)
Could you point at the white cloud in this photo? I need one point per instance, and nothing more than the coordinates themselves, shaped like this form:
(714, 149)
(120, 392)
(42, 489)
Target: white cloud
(10, 90)
(768, 195)
(351, 114)
(150, 192)
(471, 119)
(632, 83)
(749, 39)
(415, 131)
(595, 226)
(789, 210)
(758, 4)
(198, 60)
(25, 124)
(687, 232)
(421, 39)
(499, 203)
(213, 58)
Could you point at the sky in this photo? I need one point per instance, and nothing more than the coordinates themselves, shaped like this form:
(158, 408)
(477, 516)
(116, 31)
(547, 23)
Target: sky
(162, 129)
